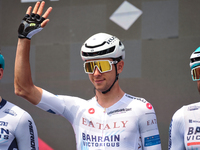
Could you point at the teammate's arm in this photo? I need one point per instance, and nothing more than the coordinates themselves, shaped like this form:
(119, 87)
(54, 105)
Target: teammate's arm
(26, 133)
(31, 24)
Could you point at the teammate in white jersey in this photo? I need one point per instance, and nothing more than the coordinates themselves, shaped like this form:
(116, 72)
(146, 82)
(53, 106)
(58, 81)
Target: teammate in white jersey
(184, 131)
(17, 128)
(111, 119)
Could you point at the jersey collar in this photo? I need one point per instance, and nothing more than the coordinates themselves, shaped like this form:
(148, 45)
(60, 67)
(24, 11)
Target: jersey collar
(3, 102)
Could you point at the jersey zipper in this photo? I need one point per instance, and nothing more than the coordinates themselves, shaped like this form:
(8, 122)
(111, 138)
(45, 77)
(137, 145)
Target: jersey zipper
(104, 118)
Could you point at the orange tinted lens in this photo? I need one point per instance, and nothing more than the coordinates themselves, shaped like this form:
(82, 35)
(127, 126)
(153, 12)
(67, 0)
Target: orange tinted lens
(89, 67)
(196, 73)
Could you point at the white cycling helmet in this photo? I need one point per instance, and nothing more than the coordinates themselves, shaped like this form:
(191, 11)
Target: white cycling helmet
(195, 58)
(102, 45)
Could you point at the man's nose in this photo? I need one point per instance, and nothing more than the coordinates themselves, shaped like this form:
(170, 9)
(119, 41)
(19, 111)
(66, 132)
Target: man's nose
(96, 71)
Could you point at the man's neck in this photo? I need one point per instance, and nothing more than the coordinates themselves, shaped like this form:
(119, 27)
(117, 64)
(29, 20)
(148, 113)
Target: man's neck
(0, 99)
(108, 99)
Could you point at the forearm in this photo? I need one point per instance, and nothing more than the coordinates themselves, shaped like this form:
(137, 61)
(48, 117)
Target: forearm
(22, 64)
(22, 78)
(23, 83)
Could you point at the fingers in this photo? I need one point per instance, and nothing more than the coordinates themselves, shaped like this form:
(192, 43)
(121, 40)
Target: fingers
(29, 10)
(46, 14)
(38, 9)
(35, 9)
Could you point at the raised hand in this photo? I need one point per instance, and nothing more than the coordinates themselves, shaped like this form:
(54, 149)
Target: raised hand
(33, 23)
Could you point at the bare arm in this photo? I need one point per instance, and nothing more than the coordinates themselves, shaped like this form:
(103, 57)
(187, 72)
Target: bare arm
(23, 83)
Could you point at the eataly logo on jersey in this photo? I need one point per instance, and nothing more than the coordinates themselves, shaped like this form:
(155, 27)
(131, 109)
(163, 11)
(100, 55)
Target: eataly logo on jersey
(100, 126)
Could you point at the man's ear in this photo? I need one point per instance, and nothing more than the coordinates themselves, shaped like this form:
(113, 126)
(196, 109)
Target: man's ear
(120, 66)
(1, 73)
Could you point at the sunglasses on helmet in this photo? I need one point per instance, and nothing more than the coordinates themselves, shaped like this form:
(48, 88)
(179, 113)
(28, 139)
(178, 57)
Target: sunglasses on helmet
(195, 72)
(102, 65)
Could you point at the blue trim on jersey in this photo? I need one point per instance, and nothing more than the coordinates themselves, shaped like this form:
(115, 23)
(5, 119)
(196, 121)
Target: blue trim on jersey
(3, 103)
(51, 111)
(13, 145)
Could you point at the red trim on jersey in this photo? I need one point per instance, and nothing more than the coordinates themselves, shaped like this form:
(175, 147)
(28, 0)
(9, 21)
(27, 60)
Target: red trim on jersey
(193, 143)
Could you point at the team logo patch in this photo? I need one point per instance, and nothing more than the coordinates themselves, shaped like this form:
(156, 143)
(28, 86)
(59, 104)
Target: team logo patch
(149, 106)
(91, 111)
(151, 140)
(11, 112)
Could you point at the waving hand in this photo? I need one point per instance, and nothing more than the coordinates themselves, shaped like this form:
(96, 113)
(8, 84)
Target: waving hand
(33, 22)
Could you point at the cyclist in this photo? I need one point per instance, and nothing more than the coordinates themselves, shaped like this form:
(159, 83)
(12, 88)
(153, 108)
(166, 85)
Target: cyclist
(17, 128)
(112, 119)
(184, 131)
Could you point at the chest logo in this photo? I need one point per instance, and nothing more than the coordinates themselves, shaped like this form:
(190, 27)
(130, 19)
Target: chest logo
(91, 111)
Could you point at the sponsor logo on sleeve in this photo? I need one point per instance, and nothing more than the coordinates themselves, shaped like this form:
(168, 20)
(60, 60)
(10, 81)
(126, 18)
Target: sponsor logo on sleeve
(151, 122)
(151, 140)
(10, 112)
(192, 108)
(149, 106)
(194, 121)
(32, 137)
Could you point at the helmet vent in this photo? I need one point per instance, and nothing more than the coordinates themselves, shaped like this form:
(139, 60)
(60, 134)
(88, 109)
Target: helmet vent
(95, 45)
(103, 52)
(195, 59)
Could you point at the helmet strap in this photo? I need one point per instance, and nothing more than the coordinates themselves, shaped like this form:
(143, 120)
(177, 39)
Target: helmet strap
(117, 75)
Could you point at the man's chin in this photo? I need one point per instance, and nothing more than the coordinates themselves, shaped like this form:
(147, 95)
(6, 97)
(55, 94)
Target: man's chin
(100, 89)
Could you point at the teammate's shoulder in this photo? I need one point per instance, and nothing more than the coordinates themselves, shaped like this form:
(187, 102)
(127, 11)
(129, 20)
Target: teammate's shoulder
(179, 113)
(14, 110)
(186, 108)
(193, 106)
(12, 106)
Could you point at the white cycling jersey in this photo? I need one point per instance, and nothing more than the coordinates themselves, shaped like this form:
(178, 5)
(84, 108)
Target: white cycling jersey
(130, 124)
(184, 131)
(17, 128)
